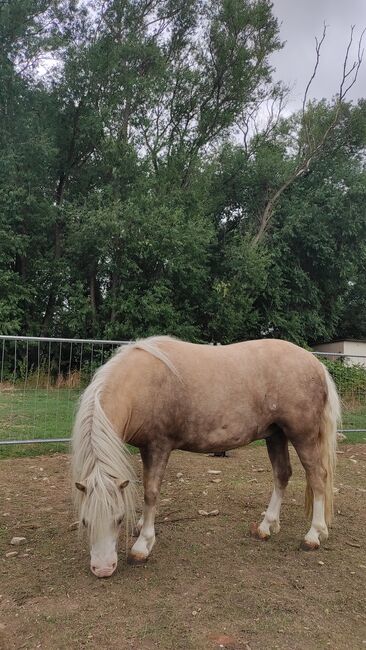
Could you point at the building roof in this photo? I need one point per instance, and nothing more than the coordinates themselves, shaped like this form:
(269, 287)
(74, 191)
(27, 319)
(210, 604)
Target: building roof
(342, 341)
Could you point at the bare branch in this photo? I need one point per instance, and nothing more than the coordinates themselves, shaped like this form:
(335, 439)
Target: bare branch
(314, 148)
(318, 45)
(354, 67)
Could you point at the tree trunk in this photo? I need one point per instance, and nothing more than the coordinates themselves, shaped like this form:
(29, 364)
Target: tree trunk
(93, 289)
(57, 240)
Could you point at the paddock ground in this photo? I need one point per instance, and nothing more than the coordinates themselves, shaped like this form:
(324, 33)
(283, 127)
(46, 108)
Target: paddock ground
(207, 584)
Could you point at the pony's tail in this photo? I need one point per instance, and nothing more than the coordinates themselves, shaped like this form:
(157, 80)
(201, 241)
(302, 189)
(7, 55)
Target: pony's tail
(331, 418)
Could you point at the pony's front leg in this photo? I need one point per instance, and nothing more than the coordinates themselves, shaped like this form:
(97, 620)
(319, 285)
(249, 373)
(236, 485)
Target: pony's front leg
(154, 464)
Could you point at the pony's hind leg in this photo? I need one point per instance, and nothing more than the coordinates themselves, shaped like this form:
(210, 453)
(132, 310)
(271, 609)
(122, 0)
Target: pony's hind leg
(316, 476)
(277, 447)
(138, 526)
(154, 464)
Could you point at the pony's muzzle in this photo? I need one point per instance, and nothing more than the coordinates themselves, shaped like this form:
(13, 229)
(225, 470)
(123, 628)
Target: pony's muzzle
(103, 571)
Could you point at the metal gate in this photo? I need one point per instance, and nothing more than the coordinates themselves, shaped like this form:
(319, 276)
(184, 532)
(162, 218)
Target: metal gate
(40, 381)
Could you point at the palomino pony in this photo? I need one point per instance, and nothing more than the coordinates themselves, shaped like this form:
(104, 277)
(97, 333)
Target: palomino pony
(161, 394)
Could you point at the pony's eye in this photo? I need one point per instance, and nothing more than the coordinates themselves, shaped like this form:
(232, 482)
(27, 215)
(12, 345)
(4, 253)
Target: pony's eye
(119, 521)
(84, 523)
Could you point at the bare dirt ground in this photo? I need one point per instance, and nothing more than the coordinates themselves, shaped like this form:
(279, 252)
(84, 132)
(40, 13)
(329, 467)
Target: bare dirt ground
(207, 584)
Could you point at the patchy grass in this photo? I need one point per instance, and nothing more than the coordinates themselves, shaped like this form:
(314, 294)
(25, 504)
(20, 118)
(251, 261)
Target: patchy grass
(207, 585)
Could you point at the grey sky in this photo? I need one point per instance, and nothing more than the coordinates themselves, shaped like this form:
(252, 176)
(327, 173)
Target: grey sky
(301, 21)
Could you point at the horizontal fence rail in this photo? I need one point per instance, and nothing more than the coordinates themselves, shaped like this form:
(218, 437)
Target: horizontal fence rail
(42, 378)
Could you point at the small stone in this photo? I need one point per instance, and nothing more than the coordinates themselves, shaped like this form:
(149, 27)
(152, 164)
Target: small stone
(321, 563)
(16, 541)
(179, 474)
(214, 471)
(74, 525)
(11, 554)
(216, 480)
(194, 613)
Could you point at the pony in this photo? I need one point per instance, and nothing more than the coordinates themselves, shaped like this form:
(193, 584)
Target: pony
(160, 394)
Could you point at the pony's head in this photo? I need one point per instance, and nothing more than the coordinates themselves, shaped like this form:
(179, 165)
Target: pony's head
(104, 505)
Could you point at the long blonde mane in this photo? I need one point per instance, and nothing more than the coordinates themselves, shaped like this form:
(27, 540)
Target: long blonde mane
(99, 457)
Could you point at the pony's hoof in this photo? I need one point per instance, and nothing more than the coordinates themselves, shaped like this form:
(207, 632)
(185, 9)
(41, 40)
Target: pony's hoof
(309, 546)
(256, 532)
(136, 559)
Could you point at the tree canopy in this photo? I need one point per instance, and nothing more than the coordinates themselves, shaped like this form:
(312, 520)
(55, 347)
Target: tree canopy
(130, 201)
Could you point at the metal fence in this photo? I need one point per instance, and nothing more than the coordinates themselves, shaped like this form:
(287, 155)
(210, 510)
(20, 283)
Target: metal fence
(40, 382)
(42, 378)
(350, 376)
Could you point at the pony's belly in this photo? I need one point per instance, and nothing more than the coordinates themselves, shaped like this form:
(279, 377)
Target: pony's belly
(220, 439)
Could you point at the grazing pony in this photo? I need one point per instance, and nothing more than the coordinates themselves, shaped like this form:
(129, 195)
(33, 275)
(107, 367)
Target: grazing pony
(161, 394)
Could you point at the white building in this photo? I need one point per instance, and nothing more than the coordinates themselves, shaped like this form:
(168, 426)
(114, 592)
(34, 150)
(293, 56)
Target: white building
(353, 349)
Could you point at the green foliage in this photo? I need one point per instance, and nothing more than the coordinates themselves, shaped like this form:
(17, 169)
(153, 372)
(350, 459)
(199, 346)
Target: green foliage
(128, 208)
(350, 380)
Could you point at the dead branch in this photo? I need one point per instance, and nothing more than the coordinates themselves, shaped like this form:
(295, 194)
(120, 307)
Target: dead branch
(318, 45)
(348, 80)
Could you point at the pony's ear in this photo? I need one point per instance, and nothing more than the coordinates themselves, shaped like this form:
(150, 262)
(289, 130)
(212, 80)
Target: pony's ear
(80, 486)
(122, 484)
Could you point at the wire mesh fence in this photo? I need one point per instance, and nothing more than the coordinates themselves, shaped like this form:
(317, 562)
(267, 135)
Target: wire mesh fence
(42, 378)
(40, 382)
(349, 374)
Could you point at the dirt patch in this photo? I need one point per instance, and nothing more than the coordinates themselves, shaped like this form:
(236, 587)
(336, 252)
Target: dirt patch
(207, 584)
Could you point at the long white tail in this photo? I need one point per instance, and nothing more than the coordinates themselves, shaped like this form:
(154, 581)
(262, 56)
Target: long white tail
(330, 421)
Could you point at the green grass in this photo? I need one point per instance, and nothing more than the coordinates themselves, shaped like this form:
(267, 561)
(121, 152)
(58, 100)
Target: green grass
(355, 419)
(50, 413)
(42, 413)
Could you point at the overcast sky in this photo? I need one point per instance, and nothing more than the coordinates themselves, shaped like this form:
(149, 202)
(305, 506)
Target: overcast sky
(300, 21)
